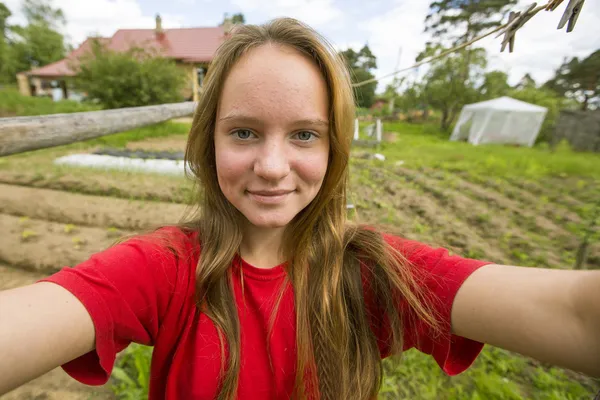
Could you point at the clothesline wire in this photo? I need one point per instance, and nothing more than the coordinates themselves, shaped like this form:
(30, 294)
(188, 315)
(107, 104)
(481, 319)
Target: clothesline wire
(506, 26)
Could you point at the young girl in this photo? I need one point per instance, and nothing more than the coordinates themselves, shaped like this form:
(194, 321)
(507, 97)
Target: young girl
(270, 293)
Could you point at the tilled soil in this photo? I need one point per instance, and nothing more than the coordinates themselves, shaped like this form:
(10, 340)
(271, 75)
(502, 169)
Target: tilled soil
(127, 186)
(39, 245)
(79, 209)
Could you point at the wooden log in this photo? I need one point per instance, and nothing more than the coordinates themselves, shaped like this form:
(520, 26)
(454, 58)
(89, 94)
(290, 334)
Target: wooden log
(20, 134)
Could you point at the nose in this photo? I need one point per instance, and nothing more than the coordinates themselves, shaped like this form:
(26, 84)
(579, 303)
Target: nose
(272, 163)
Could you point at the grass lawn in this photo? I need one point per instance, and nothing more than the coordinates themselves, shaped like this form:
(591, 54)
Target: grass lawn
(13, 104)
(421, 145)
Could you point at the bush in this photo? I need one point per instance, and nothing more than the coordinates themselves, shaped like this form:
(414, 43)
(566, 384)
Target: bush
(134, 78)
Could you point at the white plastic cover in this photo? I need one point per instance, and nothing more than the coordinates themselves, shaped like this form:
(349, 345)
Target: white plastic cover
(167, 167)
(503, 120)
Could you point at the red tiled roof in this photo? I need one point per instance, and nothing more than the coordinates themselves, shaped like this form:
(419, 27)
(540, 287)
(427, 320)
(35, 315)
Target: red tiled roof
(185, 44)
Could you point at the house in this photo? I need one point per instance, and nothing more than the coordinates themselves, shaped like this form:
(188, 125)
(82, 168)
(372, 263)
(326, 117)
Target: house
(379, 104)
(191, 48)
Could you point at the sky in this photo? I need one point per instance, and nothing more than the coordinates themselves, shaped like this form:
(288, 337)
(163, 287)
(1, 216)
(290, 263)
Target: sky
(393, 29)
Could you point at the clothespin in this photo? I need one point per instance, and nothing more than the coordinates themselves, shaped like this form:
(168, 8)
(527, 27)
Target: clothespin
(571, 14)
(551, 6)
(516, 20)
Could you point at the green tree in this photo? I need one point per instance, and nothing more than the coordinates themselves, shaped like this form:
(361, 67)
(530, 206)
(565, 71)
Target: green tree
(39, 12)
(527, 82)
(579, 80)
(238, 18)
(391, 93)
(412, 98)
(134, 78)
(36, 44)
(4, 56)
(461, 20)
(542, 97)
(495, 84)
(360, 65)
(452, 22)
(444, 87)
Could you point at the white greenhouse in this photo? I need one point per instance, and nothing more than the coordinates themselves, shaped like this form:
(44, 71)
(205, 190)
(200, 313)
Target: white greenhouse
(503, 120)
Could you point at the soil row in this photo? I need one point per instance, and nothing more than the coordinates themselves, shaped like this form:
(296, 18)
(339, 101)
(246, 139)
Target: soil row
(79, 209)
(151, 188)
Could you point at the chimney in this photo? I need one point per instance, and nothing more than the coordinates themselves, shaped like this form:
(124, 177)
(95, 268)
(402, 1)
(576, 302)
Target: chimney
(227, 24)
(159, 28)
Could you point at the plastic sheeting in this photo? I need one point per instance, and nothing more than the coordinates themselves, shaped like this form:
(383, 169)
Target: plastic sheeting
(167, 167)
(503, 120)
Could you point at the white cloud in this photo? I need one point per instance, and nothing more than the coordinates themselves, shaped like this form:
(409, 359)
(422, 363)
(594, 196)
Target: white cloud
(400, 27)
(539, 46)
(102, 17)
(312, 12)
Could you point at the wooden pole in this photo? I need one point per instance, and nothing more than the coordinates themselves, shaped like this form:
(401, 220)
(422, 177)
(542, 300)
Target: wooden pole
(21, 134)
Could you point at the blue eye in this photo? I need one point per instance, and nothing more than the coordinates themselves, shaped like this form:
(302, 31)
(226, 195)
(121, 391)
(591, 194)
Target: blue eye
(305, 136)
(243, 134)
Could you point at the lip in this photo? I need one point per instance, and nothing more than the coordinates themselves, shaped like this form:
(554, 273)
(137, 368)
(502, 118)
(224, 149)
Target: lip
(270, 192)
(269, 196)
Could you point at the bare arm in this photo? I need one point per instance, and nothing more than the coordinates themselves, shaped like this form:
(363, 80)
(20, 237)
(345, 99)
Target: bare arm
(550, 315)
(42, 326)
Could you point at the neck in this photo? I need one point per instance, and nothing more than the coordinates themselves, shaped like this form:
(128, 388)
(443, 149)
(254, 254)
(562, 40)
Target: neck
(262, 247)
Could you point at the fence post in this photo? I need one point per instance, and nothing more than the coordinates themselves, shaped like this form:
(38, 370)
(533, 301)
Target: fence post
(20, 134)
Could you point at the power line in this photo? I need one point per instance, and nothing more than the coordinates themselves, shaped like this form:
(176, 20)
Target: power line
(512, 24)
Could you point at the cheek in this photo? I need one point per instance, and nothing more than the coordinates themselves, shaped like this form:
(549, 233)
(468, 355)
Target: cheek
(312, 167)
(231, 166)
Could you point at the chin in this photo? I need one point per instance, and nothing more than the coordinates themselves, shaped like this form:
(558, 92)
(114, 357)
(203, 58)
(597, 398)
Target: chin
(269, 221)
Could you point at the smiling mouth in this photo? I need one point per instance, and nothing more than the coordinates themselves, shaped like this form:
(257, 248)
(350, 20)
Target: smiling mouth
(269, 196)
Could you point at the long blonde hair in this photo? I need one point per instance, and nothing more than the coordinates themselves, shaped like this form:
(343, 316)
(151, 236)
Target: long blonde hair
(328, 258)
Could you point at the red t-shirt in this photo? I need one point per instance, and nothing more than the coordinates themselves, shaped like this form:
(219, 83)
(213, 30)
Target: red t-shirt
(139, 291)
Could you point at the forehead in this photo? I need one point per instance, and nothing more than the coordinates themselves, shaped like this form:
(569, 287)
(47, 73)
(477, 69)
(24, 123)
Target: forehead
(275, 81)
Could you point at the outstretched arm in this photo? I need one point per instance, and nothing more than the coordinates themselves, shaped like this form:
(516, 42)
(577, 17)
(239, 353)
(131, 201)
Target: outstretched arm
(42, 326)
(550, 315)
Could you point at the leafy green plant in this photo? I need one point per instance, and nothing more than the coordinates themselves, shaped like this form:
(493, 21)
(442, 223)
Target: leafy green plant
(132, 373)
(78, 242)
(137, 77)
(69, 228)
(28, 235)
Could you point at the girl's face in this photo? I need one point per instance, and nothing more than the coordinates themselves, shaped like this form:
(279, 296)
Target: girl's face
(272, 135)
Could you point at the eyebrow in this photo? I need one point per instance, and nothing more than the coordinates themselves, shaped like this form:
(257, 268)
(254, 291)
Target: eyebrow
(240, 118)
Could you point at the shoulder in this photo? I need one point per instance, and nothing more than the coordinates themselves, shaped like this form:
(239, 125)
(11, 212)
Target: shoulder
(172, 240)
(428, 256)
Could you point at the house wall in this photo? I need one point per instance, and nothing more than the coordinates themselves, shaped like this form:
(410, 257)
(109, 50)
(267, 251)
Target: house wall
(192, 88)
(23, 82)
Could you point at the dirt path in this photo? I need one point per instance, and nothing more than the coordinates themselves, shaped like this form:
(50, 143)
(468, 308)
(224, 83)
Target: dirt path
(56, 384)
